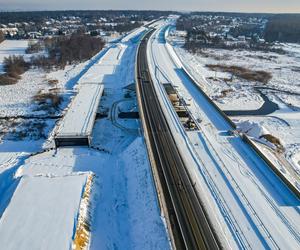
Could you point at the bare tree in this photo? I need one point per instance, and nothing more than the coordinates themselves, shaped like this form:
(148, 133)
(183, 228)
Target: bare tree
(2, 37)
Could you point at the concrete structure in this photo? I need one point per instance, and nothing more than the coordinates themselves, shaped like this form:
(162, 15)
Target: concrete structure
(76, 127)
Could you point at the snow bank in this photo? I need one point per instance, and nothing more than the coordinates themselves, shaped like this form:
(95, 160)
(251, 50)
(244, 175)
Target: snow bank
(174, 56)
(252, 129)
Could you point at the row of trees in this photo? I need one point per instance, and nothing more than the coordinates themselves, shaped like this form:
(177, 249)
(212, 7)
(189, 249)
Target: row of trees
(66, 50)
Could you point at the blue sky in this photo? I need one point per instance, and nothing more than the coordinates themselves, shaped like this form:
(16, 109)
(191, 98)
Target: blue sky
(187, 5)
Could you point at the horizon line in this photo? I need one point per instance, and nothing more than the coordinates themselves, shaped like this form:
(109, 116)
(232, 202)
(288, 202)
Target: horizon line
(179, 11)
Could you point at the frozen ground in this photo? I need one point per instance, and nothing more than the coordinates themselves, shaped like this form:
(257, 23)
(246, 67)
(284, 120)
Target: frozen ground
(238, 94)
(43, 190)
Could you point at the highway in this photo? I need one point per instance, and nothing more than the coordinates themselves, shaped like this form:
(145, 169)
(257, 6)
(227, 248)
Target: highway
(254, 208)
(188, 222)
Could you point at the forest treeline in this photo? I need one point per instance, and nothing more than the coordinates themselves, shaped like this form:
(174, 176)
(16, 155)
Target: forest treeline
(64, 50)
(39, 16)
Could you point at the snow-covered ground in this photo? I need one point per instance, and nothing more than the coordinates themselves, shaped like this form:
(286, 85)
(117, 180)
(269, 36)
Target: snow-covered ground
(126, 212)
(238, 94)
(251, 207)
(12, 47)
(34, 220)
(284, 69)
(43, 211)
(16, 147)
(41, 188)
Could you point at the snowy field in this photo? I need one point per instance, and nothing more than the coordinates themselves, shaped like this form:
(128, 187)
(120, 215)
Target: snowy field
(11, 47)
(285, 70)
(232, 93)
